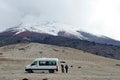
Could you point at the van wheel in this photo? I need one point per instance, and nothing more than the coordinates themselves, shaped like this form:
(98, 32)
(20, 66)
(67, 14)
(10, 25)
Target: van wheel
(51, 71)
(30, 71)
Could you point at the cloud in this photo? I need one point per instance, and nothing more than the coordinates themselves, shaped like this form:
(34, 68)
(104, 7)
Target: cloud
(9, 16)
(64, 11)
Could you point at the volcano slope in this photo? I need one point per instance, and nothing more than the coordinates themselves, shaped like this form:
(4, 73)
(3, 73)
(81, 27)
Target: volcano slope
(82, 65)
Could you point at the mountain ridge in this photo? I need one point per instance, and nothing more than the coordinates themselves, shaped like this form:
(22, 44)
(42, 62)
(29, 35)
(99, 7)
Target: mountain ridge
(87, 42)
(58, 29)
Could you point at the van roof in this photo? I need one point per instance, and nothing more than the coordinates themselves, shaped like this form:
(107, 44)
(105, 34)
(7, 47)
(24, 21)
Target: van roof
(46, 59)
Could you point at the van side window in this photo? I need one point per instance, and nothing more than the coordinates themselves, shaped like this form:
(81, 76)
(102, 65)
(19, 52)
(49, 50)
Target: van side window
(42, 63)
(47, 63)
(34, 63)
(52, 62)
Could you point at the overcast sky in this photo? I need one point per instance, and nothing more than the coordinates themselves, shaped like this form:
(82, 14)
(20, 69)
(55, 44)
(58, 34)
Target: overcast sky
(95, 16)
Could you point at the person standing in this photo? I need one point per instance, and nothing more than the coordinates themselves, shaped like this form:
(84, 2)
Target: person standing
(62, 68)
(66, 68)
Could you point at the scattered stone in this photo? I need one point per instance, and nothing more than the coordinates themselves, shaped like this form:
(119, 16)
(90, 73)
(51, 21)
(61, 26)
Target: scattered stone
(117, 64)
(45, 79)
(55, 50)
(40, 52)
(21, 48)
(71, 66)
(79, 66)
(62, 62)
(25, 79)
(1, 53)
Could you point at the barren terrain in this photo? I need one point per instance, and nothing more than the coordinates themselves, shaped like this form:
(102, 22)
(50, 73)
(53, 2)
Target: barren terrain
(14, 58)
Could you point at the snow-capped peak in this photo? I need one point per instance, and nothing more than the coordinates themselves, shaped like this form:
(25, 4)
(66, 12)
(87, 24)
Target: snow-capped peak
(52, 28)
(58, 29)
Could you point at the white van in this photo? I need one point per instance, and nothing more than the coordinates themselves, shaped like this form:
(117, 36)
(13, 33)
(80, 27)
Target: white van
(42, 64)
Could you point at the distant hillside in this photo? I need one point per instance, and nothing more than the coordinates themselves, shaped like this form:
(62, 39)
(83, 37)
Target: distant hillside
(105, 50)
(33, 50)
(91, 47)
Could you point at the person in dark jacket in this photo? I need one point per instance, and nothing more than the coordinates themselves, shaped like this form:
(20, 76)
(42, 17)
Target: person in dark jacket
(62, 68)
(66, 68)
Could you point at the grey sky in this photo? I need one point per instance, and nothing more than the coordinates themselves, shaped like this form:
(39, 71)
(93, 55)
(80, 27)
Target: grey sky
(95, 16)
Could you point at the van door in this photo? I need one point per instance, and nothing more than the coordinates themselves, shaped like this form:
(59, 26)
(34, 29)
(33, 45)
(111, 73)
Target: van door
(34, 66)
(43, 65)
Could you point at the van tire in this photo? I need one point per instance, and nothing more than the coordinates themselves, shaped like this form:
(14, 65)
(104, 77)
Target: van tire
(30, 71)
(51, 71)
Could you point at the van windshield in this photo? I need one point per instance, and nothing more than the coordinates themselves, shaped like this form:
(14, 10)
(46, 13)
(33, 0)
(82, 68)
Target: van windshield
(34, 63)
(47, 63)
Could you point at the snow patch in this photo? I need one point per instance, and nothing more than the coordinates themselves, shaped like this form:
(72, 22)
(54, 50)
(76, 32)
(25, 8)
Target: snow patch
(47, 27)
